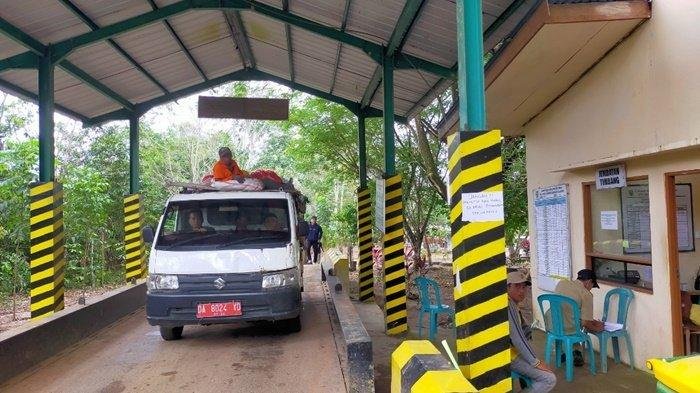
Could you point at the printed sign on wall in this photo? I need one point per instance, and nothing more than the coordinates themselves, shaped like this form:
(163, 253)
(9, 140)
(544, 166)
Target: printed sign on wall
(611, 177)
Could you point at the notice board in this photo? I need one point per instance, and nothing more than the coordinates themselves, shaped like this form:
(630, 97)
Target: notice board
(552, 235)
(684, 217)
(636, 220)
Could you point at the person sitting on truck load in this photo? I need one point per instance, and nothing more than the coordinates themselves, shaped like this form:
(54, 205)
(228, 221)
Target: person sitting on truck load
(194, 218)
(227, 168)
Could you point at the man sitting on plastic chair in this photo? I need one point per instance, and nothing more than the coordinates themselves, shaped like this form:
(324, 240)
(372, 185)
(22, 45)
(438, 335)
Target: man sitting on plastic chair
(524, 362)
(580, 291)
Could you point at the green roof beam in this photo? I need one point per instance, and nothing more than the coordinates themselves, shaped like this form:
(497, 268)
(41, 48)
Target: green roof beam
(408, 16)
(34, 99)
(22, 38)
(240, 75)
(343, 25)
(93, 26)
(20, 61)
(64, 47)
(406, 62)
(184, 49)
(95, 84)
(27, 59)
(288, 35)
(374, 50)
(240, 38)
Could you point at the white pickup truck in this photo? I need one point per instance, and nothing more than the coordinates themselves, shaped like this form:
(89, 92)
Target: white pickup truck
(224, 256)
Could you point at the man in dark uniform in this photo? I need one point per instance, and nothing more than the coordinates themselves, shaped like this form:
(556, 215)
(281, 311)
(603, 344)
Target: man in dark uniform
(313, 240)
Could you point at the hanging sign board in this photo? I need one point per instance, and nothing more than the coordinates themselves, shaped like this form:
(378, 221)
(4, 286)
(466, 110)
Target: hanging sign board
(243, 108)
(611, 177)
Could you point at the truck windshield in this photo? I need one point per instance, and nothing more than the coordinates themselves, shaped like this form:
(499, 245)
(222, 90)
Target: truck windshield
(225, 224)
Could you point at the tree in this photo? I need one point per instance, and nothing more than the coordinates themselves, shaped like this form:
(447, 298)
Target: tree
(515, 191)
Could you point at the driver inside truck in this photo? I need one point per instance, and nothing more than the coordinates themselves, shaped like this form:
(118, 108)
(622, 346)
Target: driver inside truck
(194, 218)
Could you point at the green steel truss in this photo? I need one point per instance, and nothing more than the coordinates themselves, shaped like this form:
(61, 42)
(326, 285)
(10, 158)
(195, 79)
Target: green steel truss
(63, 48)
(240, 75)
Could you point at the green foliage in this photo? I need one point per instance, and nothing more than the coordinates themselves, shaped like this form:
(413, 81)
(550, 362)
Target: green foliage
(515, 189)
(317, 147)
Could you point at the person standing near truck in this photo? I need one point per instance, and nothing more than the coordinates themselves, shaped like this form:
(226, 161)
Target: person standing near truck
(313, 239)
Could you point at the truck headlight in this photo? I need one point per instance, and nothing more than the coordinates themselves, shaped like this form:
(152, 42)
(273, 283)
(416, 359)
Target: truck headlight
(162, 281)
(281, 279)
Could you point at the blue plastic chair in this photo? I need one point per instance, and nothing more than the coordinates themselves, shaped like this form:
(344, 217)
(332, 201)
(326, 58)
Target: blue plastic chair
(624, 298)
(427, 305)
(557, 336)
(519, 377)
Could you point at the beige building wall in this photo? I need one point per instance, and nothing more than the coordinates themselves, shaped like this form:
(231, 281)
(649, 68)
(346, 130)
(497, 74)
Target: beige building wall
(643, 96)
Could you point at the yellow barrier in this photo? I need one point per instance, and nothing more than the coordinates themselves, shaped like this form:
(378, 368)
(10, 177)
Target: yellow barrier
(680, 374)
(341, 268)
(418, 367)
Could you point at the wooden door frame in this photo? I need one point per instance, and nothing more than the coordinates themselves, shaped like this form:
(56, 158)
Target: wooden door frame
(673, 265)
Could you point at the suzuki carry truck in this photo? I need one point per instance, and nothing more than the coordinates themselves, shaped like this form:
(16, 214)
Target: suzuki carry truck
(226, 256)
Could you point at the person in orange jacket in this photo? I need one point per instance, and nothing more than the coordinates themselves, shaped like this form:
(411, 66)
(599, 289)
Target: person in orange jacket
(227, 168)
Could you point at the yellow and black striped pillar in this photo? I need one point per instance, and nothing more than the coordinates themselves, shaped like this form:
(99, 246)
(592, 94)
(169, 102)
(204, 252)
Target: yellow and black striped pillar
(47, 251)
(134, 249)
(478, 259)
(364, 239)
(394, 265)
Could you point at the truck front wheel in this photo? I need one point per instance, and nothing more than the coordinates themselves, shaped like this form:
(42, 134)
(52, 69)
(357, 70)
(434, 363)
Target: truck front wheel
(292, 325)
(171, 333)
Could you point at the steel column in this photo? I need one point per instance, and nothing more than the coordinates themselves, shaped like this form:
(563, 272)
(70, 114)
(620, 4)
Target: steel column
(46, 107)
(394, 259)
(134, 154)
(478, 244)
(364, 239)
(389, 147)
(470, 71)
(362, 149)
(134, 246)
(47, 261)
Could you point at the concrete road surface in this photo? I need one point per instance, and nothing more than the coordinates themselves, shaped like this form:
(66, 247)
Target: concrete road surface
(130, 356)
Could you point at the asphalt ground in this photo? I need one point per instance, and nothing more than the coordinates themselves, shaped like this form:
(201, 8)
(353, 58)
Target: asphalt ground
(130, 356)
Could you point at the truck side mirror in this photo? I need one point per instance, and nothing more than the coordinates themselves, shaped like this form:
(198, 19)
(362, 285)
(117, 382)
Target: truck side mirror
(147, 234)
(302, 228)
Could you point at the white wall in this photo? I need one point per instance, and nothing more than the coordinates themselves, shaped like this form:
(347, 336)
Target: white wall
(644, 94)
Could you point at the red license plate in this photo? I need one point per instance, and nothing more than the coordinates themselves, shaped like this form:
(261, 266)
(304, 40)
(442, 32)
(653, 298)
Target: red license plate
(213, 310)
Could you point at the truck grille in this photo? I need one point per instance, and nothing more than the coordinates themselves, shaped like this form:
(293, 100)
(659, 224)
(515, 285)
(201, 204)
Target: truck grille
(234, 283)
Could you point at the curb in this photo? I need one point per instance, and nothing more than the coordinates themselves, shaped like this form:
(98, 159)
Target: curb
(23, 348)
(358, 343)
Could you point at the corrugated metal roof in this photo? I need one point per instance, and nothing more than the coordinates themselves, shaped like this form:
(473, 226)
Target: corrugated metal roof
(209, 46)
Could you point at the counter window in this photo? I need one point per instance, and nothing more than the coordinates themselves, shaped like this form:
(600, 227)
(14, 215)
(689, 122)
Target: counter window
(618, 233)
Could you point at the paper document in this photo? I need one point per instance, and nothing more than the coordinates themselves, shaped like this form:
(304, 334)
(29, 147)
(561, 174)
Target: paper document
(612, 327)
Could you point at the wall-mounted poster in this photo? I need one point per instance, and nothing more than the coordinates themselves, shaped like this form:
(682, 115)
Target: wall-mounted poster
(552, 235)
(684, 217)
(636, 221)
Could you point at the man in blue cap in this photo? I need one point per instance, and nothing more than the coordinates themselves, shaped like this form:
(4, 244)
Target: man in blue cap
(523, 358)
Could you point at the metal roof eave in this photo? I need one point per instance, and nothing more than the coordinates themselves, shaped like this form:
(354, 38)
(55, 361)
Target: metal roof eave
(61, 49)
(374, 50)
(240, 75)
(31, 97)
